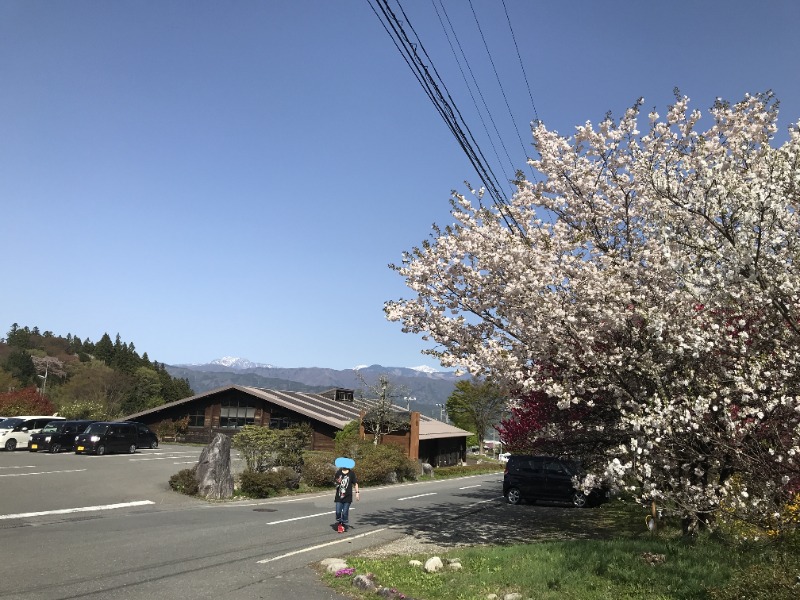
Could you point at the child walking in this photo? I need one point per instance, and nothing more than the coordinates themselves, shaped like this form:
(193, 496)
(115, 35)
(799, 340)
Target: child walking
(346, 484)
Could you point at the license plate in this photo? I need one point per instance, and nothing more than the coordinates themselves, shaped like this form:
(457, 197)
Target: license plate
(79, 448)
(34, 446)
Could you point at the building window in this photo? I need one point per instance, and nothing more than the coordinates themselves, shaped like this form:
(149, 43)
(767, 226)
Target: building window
(197, 417)
(235, 414)
(281, 420)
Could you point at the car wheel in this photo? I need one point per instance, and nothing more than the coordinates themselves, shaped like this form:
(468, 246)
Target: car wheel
(55, 448)
(514, 496)
(154, 445)
(101, 450)
(11, 445)
(579, 500)
(132, 449)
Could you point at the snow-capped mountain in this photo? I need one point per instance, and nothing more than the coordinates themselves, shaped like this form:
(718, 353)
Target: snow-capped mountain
(240, 364)
(233, 362)
(428, 386)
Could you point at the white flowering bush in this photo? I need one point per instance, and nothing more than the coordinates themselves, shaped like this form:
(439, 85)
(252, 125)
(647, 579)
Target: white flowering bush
(653, 272)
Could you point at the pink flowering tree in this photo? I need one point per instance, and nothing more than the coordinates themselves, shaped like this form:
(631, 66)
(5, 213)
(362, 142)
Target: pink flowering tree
(655, 273)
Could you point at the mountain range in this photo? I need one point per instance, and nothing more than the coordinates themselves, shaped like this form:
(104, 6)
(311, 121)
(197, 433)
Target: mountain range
(422, 388)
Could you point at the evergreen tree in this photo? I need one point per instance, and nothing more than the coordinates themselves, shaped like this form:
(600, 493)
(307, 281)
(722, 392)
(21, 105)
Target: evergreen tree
(104, 349)
(20, 364)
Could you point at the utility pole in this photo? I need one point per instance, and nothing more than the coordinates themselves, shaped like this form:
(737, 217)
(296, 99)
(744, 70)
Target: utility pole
(44, 383)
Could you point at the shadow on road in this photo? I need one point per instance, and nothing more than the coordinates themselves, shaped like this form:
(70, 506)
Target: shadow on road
(494, 522)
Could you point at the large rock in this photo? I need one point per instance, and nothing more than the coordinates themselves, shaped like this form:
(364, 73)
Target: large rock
(214, 477)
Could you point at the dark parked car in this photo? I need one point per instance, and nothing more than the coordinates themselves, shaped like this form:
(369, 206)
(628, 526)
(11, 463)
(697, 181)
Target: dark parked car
(546, 478)
(104, 437)
(57, 436)
(147, 439)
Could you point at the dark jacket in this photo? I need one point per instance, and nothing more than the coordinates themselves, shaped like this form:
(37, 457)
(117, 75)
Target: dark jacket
(344, 486)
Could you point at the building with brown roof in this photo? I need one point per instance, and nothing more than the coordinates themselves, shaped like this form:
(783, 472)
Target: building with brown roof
(228, 409)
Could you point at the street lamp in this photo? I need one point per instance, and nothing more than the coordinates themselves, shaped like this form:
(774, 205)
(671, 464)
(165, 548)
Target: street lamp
(442, 412)
(409, 400)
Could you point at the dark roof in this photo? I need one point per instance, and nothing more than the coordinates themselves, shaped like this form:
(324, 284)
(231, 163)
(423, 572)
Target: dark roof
(336, 413)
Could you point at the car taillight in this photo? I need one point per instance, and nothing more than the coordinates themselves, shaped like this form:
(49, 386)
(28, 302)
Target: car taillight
(505, 471)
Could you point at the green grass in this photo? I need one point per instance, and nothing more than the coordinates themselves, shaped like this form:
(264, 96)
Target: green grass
(703, 567)
(462, 471)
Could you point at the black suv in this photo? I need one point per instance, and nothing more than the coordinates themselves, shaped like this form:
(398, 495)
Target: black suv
(57, 436)
(546, 478)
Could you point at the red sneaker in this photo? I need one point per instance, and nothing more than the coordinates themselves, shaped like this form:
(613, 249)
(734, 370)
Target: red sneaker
(340, 528)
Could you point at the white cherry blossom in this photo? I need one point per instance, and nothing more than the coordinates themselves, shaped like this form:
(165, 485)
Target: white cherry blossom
(655, 271)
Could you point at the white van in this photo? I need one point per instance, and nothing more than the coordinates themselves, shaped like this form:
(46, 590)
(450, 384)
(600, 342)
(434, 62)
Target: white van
(15, 432)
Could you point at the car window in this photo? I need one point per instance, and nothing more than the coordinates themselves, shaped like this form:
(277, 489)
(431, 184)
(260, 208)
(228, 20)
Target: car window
(554, 467)
(97, 428)
(51, 427)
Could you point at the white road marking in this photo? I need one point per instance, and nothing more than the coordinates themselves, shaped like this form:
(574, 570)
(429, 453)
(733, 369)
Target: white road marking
(417, 496)
(143, 459)
(40, 473)
(22, 467)
(186, 462)
(330, 512)
(470, 486)
(310, 548)
(65, 511)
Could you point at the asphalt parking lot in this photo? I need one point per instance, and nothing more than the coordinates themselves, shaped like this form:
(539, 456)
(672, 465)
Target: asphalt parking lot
(32, 482)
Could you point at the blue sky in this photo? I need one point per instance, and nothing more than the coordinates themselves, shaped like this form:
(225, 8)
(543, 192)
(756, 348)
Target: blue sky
(232, 178)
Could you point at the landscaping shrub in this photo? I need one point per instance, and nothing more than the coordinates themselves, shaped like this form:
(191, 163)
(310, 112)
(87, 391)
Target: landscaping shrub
(381, 460)
(318, 469)
(348, 441)
(263, 448)
(263, 484)
(185, 482)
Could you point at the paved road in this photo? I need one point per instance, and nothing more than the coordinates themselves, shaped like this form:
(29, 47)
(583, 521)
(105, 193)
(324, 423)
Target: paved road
(134, 539)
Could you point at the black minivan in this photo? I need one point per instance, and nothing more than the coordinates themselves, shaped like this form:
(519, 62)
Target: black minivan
(546, 478)
(105, 437)
(57, 436)
(147, 439)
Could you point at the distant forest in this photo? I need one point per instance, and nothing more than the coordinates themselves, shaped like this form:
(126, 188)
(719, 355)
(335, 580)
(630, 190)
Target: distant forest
(42, 373)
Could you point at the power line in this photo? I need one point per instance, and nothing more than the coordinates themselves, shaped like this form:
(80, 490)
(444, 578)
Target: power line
(499, 83)
(475, 83)
(521, 65)
(432, 84)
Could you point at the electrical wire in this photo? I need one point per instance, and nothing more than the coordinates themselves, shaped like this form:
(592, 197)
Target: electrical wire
(432, 84)
(499, 83)
(474, 83)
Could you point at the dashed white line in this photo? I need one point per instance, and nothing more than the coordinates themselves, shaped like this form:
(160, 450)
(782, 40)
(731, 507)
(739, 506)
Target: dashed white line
(311, 548)
(329, 512)
(40, 473)
(469, 486)
(417, 496)
(20, 467)
(65, 511)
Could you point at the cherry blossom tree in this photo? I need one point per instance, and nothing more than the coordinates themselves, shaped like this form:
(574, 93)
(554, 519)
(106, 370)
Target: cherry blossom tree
(654, 273)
